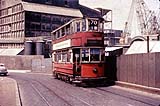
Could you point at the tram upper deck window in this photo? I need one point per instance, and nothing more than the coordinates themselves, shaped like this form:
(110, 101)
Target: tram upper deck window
(85, 54)
(68, 29)
(54, 36)
(95, 54)
(93, 25)
(63, 31)
(83, 25)
(78, 26)
(58, 34)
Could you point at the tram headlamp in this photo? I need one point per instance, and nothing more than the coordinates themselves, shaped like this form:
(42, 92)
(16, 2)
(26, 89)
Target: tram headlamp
(95, 70)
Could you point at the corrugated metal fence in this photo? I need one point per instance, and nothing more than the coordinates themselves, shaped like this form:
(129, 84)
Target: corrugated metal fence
(142, 69)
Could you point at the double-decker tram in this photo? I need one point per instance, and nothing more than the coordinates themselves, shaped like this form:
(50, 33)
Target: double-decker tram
(78, 51)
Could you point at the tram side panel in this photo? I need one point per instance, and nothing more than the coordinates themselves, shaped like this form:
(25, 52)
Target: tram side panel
(83, 38)
(92, 70)
(63, 68)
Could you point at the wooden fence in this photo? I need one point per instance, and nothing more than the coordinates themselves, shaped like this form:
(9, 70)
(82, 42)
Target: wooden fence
(142, 69)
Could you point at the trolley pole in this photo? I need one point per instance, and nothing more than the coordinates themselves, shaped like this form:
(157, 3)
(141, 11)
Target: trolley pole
(147, 44)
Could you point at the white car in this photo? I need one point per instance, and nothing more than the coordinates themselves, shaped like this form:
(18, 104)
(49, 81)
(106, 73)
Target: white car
(3, 69)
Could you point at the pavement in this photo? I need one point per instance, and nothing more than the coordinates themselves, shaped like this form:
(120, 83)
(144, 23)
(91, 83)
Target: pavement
(151, 90)
(9, 93)
(19, 71)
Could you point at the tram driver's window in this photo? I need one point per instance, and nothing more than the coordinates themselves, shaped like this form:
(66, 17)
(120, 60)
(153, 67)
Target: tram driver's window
(85, 54)
(95, 54)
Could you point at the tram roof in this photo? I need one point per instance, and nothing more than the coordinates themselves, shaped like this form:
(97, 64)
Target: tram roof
(51, 9)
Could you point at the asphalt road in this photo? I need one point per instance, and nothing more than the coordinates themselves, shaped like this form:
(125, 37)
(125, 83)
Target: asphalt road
(44, 90)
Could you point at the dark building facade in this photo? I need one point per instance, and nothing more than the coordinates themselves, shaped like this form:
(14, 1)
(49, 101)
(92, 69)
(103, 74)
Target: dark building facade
(33, 20)
(112, 37)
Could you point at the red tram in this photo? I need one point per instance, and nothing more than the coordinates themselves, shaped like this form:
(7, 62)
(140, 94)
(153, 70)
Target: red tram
(78, 51)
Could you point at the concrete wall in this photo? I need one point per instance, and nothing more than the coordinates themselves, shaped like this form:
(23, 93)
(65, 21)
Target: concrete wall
(35, 63)
(142, 69)
(42, 65)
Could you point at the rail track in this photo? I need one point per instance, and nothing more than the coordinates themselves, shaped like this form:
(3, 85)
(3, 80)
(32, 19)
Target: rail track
(34, 84)
(101, 91)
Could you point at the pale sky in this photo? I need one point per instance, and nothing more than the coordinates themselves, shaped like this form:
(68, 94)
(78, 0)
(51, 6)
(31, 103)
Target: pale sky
(120, 9)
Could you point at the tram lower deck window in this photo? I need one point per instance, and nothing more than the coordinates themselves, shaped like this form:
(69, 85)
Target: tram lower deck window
(95, 54)
(57, 57)
(64, 57)
(91, 54)
(85, 54)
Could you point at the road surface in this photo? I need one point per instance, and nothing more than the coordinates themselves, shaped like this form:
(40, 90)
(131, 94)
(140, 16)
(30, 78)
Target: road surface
(44, 90)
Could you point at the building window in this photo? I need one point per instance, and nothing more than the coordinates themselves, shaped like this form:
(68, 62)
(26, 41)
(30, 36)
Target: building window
(10, 11)
(0, 21)
(66, 3)
(23, 25)
(48, 27)
(22, 16)
(43, 27)
(3, 2)
(49, 1)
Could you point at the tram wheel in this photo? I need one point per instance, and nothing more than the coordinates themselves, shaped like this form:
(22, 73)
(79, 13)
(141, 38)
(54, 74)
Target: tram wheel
(56, 76)
(70, 80)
